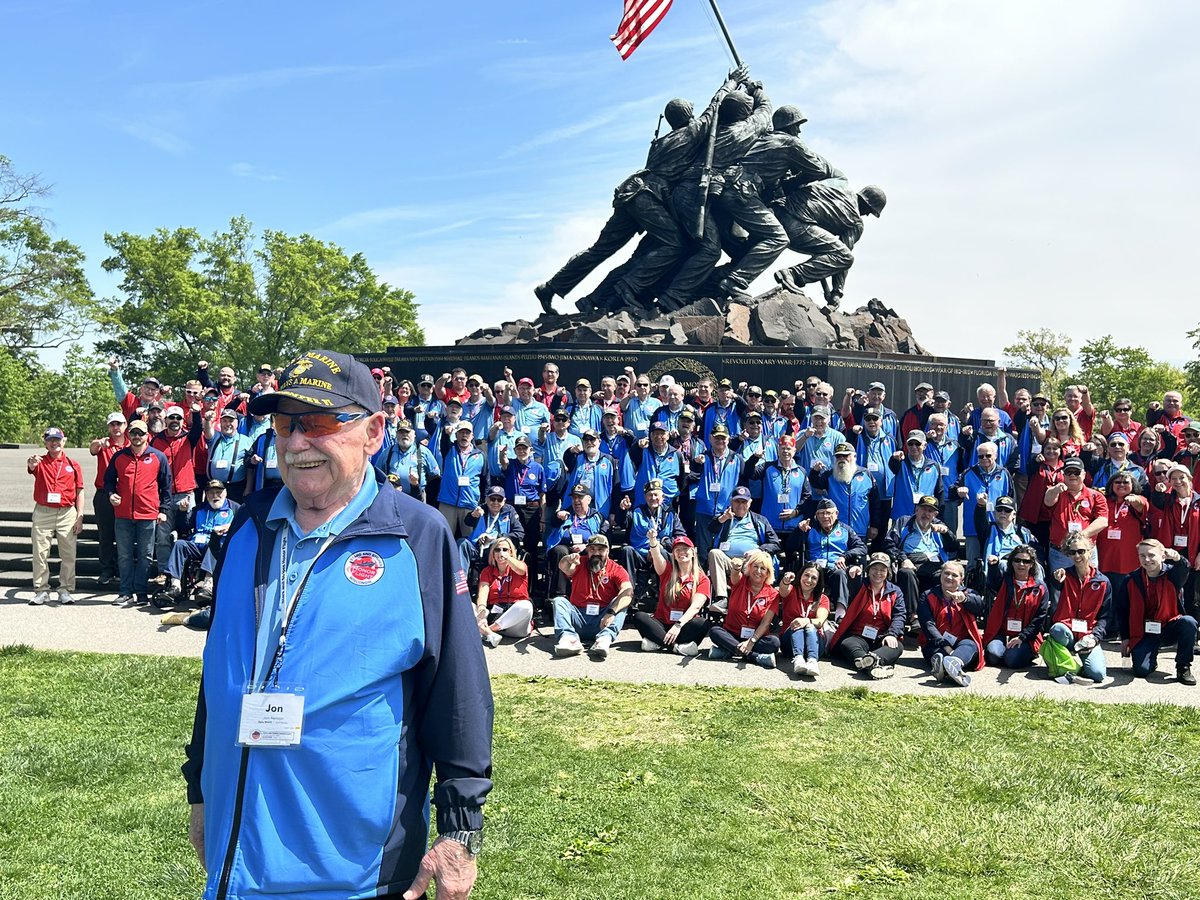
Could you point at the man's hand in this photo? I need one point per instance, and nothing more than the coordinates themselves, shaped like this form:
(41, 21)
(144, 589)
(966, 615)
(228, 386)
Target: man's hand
(78, 526)
(725, 516)
(202, 365)
(890, 641)
(114, 499)
(939, 528)
(907, 563)
(450, 867)
(789, 578)
(746, 646)
(562, 515)
(32, 462)
(162, 517)
(1013, 642)
(196, 831)
(113, 363)
(854, 571)
(626, 503)
(1060, 575)
(412, 478)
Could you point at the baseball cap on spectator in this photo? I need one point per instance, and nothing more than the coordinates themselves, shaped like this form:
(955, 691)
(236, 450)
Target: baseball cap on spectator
(609, 411)
(654, 484)
(822, 411)
(425, 379)
(528, 381)
(740, 493)
(580, 490)
(924, 386)
(843, 450)
(404, 425)
(787, 440)
(916, 435)
(825, 503)
(392, 400)
(563, 415)
(1188, 425)
(589, 433)
(1118, 438)
(138, 425)
(478, 379)
(928, 502)
(879, 559)
(465, 425)
(214, 484)
(754, 391)
(115, 417)
(229, 413)
(522, 439)
(725, 382)
(150, 379)
(598, 540)
(658, 425)
(1073, 463)
(583, 382)
(774, 395)
(322, 379)
(156, 404)
(873, 413)
(682, 541)
(942, 395)
(212, 394)
(53, 434)
(174, 411)
(266, 367)
(754, 414)
(876, 386)
(687, 414)
(623, 377)
(507, 411)
(495, 491)
(1006, 503)
(666, 381)
(719, 429)
(377, 371)
(453, 401)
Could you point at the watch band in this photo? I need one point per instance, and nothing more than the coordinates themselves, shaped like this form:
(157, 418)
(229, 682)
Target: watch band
(471, 840)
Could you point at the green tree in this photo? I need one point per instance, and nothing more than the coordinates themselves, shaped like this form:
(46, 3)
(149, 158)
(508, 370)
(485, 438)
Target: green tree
(1047, 351)
(1111, 371)
(237, 301)
(77, 399)
(1193, 368)
(17, 390)
(44, 294)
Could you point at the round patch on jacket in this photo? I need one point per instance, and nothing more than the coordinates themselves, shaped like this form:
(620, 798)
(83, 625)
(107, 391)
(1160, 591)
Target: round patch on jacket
(364, 567)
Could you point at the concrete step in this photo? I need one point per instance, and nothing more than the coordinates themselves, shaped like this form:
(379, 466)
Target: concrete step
(21, 529)
(17, 561)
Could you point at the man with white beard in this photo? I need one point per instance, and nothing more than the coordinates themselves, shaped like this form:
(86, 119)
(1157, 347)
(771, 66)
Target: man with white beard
(595, 608)
(854, 492)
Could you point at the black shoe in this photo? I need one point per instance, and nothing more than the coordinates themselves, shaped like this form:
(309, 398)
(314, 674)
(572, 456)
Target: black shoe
(165, 599)
(545, 295)
(1185, 676)
(734, 288)
(106, 580)
(785, 279)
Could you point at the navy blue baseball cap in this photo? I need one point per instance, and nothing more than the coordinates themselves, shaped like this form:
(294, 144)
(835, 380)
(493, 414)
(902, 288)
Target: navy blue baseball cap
(322, 379)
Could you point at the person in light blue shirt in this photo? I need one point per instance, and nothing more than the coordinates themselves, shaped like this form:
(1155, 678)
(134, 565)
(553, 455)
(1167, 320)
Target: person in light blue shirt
(816, 443)
(502, 434)
(227, 449)
(411, 463)
(531, 413)
(638, 409)
(585, 414)
(736, 532)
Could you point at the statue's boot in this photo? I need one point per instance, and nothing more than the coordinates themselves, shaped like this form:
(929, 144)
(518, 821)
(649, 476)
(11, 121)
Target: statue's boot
(734, 288)
(786, 278)
(545, 295)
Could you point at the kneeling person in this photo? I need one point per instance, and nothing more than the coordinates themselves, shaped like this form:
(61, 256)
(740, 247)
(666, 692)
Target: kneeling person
(600, 593)
(950, 638)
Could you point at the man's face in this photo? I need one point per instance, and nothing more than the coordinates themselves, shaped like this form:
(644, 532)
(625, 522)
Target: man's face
(922, 395)
(1022, 399)
(226, 377)
(1073, 479)
(1122, 411)
(228, 425)
(1151, 559)
(915, 449)
(591, 445)
(214, 496)
(787, 454)
(704, 390)
(404, 437)
(560, 425)
(754, 427)
(937, 425)
(822, 394)
(658, 439)
(1072, 398)
(54, 446)
(819, 424)
(609, 423)
(675, 396)
(1004, 516)
(871, 424)
(458, 382)
(137, 439)
(770, 405)
(686, 426)
(810, 385)
(494, 505)
(1158, 473)
(314, 467)
(990, 420)
(739, 507)
(424, 390)
(507, 421)
(522, 452)
(986, 397)
(643, 388)
(608, 386)
(149, 392)
(264, 378)
(1172, 402)
(845, 461)
(550, 374)
(581, 503)
(826, 518)
(1117, 451)
(582, 393)
(115, 430)
(754, 401)
(875, 396)
(925, 515)
(597, 556)
(788, 407)
(174, 424)
(464, 438)
(475, 388)
(654, 498)
(725, 392)
(987, 459)
(720, 443)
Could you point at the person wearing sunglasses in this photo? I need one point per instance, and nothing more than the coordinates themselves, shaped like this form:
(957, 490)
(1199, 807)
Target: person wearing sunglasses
(917, 476)
(1151, 445)
(1128, 520)
(1074, 507)
(1103, 467)
(502, 604)
(1120, 420)
(1065, 429)
(1155, 615)
(1012, 635)
(1029, 448)
(638, 408)
(338, 602)
(1083, 616)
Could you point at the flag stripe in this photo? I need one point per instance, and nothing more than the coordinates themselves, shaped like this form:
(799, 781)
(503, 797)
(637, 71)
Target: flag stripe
(639, 19)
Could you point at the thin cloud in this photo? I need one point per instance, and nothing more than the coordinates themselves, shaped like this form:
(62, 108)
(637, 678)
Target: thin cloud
(156, 136)
(247, 170)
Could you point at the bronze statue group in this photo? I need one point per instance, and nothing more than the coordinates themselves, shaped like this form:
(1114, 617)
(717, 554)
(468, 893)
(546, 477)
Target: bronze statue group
(736, 180)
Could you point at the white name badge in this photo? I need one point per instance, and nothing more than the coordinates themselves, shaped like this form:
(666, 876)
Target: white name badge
(1014, 626)
(991, 507)
(724, 548)
(464, 480)
(950, 638)
(273, 464)
(676, 615)
(220, 464)
(1181, 540)
(714, 487)
(822, 563)
(1079, 626)
(576, 537)
(270, 720)
(1114, 534)
(519, 500)
(1074, 526)
(497, 609)
(1153, 627)
(870, 632)
(784, 498)
(747, 633)
(201, 539)
(592, 609)
(917, 495)
(945, 470)
(53, 497)
(872, 467)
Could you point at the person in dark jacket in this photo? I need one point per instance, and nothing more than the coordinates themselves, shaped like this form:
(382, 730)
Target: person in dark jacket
(736, 532)
(343, 670)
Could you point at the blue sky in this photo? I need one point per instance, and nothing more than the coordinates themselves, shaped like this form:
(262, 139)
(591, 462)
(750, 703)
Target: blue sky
(1038, 158)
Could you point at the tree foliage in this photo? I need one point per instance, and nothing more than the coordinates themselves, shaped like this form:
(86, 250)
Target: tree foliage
(240, 301)
(1047, 351)
(1111, 371)
(1193, 368)
(44, 294)
(76, 399)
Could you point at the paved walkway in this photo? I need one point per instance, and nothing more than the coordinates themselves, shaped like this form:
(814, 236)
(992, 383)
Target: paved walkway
(92, 624)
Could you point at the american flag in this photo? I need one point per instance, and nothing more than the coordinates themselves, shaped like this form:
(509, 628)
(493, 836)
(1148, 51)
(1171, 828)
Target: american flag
(640, 18)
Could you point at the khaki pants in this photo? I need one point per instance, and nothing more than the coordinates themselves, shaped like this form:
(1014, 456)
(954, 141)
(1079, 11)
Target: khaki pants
(49, 522)
(719, 569)
(456, 518)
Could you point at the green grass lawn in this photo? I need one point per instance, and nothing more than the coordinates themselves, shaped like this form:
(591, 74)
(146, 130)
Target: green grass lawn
(610, 791)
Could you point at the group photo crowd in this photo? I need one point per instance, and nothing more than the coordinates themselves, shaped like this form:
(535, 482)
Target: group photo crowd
(775, 527)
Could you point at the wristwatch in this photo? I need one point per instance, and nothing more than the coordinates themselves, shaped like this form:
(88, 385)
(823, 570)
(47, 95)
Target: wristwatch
(472, 840)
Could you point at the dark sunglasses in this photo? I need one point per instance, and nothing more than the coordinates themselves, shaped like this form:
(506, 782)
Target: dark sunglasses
(1078, 552)
(1021, 561)
(1062, 418)
(1122, 408)
(914, 443)
(174, 418)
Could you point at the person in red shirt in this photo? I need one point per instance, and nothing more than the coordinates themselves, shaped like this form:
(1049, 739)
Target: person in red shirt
(452, 384)
(1171, 417)
(1012, 634)
(753, 602)
(57, 513)
(502, 604)
(600, 594)
(1175, 522)
(551, 393)
(1154, 599)
(1078, 400)
(805, 612)
(1043, 474)
(1073, 507)
(950, 638)
(138, 485)
(1128, 519)
(1083, 616)
(683, 592)
(1120, 421)
(103, 449)
(871, 631)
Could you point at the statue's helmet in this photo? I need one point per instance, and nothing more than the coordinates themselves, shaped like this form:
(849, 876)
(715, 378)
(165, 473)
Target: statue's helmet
(786, 116)
(874, 197)
(735, 108)
(679, 112)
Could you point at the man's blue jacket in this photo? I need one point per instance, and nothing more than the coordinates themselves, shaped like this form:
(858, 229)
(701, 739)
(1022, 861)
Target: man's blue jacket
(384, 643)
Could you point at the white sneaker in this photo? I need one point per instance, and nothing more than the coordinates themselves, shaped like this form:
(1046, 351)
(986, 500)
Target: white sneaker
(119, 600)
(1065, 679)
(881, 672)
(799, 666)
(65, 598)
(568, 645)
(814, 668)
(953, 668)
(937, 665)
(649, 646)
(691, 648)
(40, 598)
(600, 647)
(492, 639)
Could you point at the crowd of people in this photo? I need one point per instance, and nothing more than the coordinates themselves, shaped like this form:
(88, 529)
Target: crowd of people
(757, 525)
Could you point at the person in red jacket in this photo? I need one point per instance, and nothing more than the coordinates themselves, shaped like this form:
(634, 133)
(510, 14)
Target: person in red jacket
(753, 602)
(1073, 507)
(1175, 522)
(1128, 519)
(1083, 615)
(950, 638)
(138, 485)
(57, 513)
(179, 447)
(871, 632)
(1044, 473)
(1154, 598)
(103, 449)
(1013, 633)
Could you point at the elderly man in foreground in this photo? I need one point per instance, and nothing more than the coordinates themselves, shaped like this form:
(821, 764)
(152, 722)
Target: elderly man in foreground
(342, 669)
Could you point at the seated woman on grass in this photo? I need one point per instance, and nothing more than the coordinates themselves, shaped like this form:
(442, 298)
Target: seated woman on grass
(1083, 617)
(504, 585)
(805, 611)
(872, 630)
(1013, 633)
(950, 638)
(753, 602)
(683, 591)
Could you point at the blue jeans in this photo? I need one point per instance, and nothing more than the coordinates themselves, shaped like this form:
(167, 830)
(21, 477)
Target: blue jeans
(1182, 631)
(135, 546)
(570, 619)
(1094, 665)
(803, 643)
(967, 651)
(1019, 657)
